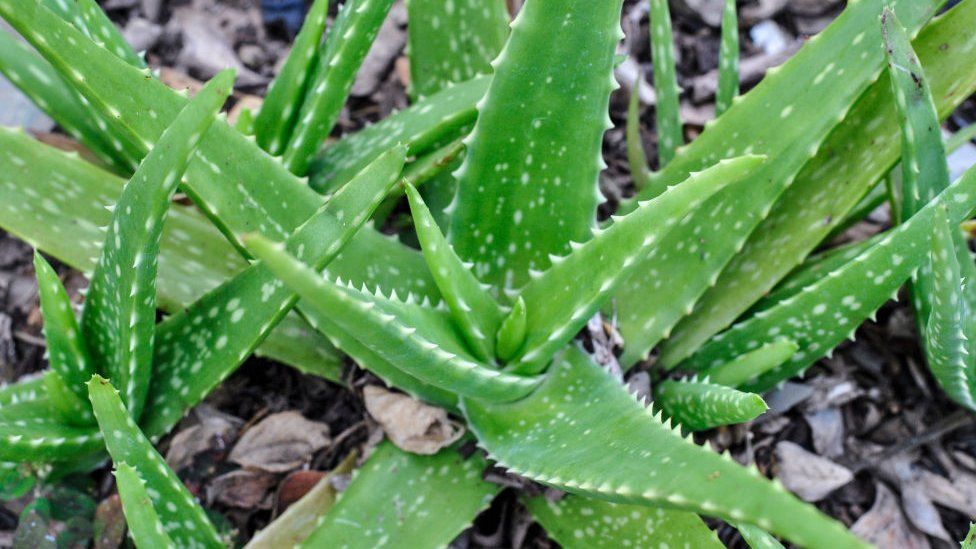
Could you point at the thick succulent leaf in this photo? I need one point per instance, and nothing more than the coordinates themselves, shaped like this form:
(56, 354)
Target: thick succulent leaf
(279, 111)
(560, 301)
(346, 46)
(636, 157)
(100, 28)
(301, 517)
(201, 345)
(26, 389)
(756, 537)
(478, 315)
(119, 317)
(560, 436)
(57, 202)
(450, 42)
(44, 86)
(406, 500)
(821, 315)
(700, 405)
(417, 346)
(579, 523)
(970, 541)
(857, 154)
(947, 342)
(528, 185)
(66, 351)
(429, 123)
(184, 521)
(751, 365)
(667, 113)
(31, 432)
(64, 403)
(145, 527)
(728, 60)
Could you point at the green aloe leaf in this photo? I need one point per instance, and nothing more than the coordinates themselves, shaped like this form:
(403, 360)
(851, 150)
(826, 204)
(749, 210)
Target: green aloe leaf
(859, 152)
(145, 527)
(66, 405)
(100, 28)
(26, 389)
(634, 459)
(184, 521)
(30, 432)
(345, 48)
(528, 183)
(700, 405)
(751, 365)
(452, 42)
(821, 315)
(636, 157)
(667, 114)
(429, 123)
(478, 315)
(419, 346)
(279, 111)
(406, 500)
(119, 317)
(200, 346)
(757, 538)
(579, 523)
(728, 60)
(559, 301)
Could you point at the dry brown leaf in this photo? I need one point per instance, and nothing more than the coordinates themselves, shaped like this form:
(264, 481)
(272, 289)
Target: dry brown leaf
(243, 488)
(884, 525)
(215, 432)
(808, 475)
(410, 424)
(280, 443)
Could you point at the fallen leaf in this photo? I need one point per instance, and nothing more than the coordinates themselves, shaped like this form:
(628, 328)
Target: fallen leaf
(922, 512)
(295, 486)
(884, 524)
(808, 475)
(827, 430)
(410, 424)
(215, 433)
(280, 443)
(243, 488)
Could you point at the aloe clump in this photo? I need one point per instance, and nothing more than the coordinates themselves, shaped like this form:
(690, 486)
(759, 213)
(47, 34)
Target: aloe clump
(479, 317)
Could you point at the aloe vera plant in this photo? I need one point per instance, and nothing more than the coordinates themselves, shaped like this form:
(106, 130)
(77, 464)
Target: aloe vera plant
(480, 318)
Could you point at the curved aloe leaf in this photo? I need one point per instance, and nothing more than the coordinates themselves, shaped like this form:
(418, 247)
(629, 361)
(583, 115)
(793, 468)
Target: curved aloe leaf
(145, 527)
(578, 523)
(429, 123)
(26, 389)
(184, 521)
(700, 405)
(786, 117)
(728, 60)
(559, 301)
(823, 314)
(418, 346)
(751, 365)
(345, 48)
(636, 157)
(406, 500)
(65, 404)
(635, 458)
(668, 111)
(856, 155)
(100, 28)
(119, 317)
(279, 111)
(528, 183)
(29, 432)
(477, 314)
(200, 346)
(757, 538)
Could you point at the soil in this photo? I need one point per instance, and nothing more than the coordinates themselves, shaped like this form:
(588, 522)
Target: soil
(873, 408)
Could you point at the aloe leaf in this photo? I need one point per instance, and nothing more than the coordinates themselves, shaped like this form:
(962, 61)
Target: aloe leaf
(824, 313)
(64, 403)
(119, 317)
(184, 521)
(477, 314)
(751, 365)
(279, 111)
(728, 60)
(511, 332)
(528, 183)
(578, 523)
(452, 42)
(970, 541)
(26, 389)
(667, 114)
(960, 138)
(101, 29)
(29, 432)
(298, 521)
(407, 500)
(559, 301)
(145, 527)
(200, 346)
(346, 46)
(948, 345)
(699, 404)
(44, 86)
(634, 459)
(756, 537)
(636, 157)
(393, 333)
(429, 123)
(857, 154)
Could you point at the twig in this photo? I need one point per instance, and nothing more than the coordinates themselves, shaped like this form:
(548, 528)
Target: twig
(946, 425)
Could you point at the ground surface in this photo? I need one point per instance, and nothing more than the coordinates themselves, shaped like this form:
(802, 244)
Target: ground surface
(869, 422)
